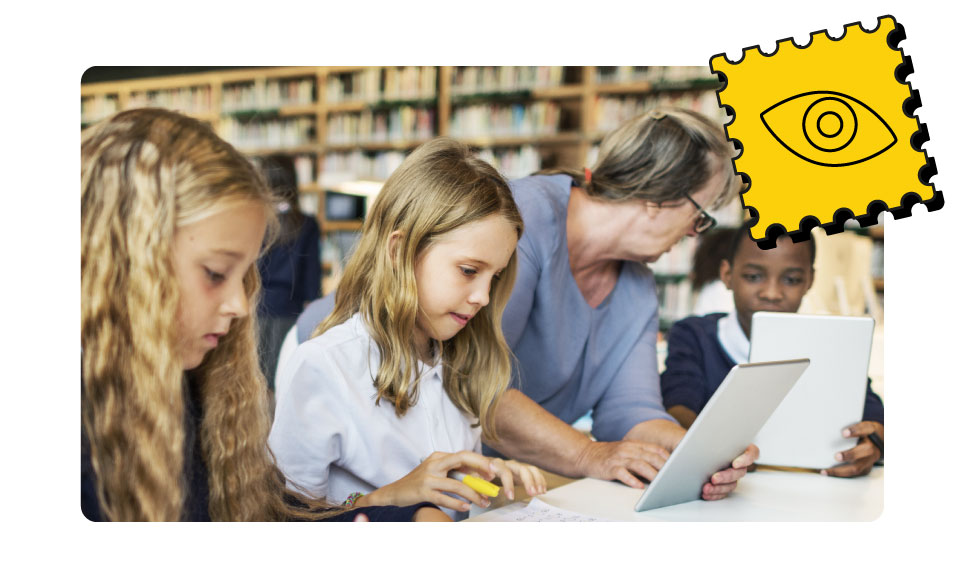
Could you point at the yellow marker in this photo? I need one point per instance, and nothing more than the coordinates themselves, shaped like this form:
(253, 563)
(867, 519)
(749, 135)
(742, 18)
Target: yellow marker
(477, 484)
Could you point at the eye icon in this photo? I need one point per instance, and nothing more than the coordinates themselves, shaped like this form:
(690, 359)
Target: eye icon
(828, 128)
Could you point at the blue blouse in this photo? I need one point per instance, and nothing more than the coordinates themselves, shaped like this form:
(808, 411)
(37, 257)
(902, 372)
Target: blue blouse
(573, 358)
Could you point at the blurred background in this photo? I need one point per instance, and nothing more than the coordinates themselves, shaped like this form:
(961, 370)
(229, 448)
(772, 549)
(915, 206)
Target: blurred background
(346, 129)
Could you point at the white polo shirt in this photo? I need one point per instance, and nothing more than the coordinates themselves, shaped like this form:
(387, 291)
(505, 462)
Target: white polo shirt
(731, 337)
(331, 439)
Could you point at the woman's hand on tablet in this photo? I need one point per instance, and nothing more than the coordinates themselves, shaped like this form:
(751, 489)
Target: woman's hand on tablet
(725, 481)
(626, 461)
(858, 460)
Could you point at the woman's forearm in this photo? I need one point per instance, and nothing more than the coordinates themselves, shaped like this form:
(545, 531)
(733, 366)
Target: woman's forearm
(527, 432)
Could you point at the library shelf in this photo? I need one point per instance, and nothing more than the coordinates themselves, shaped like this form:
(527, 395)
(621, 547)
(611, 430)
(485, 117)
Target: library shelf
(403, 145)
(568, 91)
(321, 97)
(293, 150)
(510, 140)
(298, 109)
(349, 225)
(658, 86)
(348, 106)
(521, 95)
(624, 87)
(267, 113)
(350, 68)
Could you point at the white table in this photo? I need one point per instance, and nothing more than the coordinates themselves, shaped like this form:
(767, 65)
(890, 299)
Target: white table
(763, 495)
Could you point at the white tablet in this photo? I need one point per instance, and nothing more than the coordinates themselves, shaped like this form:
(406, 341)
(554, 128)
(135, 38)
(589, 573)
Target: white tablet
(722, 430)
(805, 430)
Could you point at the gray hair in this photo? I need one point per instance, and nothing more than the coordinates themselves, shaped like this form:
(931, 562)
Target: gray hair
(662, 156)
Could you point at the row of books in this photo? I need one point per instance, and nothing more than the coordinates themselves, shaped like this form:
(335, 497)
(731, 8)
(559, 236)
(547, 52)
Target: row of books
(485, 80)
(267, 94)
(513, 163)
(651, 73)
(94, 108)
(268, 134)
(505, 120)
(342, 166)
(193, 100)
(611, 111)
(403, 123)
(304, 169)
(382, 85)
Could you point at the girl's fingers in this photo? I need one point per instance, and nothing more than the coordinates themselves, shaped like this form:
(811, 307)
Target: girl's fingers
(531, 478)
(456, 487)
(463, 459)
(540, 480)
(525, 477)
(446, 501)
(505, 476)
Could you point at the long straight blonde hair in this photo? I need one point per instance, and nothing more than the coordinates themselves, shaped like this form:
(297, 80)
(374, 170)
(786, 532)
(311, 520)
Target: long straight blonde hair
(144, 174)
(440, 187)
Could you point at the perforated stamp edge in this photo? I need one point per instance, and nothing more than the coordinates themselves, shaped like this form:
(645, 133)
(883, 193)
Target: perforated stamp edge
(875, 207)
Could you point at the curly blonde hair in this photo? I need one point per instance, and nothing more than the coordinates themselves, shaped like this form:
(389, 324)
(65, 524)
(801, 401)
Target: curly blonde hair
(144, 174)
(440, 187)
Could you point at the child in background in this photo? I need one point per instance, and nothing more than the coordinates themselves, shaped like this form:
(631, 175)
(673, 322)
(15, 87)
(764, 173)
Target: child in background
(397, 384)
(291, 273)
(710, 293)
(174, 409)
(702, 349)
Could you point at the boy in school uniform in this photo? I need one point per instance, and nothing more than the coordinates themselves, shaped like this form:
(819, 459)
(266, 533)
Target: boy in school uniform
(702, 349)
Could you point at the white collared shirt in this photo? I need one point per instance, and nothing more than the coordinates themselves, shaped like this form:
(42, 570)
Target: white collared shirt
(732, 338)
(331, 439)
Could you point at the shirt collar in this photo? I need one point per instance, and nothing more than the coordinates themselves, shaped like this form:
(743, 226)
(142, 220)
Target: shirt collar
(732, 338)
(428, 370)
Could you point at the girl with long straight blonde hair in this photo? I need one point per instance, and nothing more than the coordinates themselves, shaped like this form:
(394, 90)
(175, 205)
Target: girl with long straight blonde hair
(174, 409)
(397, 385)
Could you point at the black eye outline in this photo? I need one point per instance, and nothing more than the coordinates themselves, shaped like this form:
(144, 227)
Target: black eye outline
(894, 138)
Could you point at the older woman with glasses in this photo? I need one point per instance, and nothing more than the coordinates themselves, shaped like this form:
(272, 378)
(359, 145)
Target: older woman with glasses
(582, 320)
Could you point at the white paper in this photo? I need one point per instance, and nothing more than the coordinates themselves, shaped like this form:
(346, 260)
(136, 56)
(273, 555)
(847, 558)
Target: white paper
(538, 511)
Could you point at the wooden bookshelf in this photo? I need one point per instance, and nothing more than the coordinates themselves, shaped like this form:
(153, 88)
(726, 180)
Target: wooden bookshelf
(349, 225)
(577, 89)
(305, 103)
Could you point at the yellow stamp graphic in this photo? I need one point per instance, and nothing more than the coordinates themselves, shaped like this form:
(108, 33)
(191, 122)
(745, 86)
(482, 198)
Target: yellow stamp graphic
(827, 132)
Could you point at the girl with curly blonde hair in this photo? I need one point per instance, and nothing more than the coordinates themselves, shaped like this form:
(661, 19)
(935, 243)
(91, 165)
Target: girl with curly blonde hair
(174, 408)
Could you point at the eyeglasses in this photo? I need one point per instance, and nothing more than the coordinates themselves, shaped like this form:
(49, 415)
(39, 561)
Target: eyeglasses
(704, 221)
